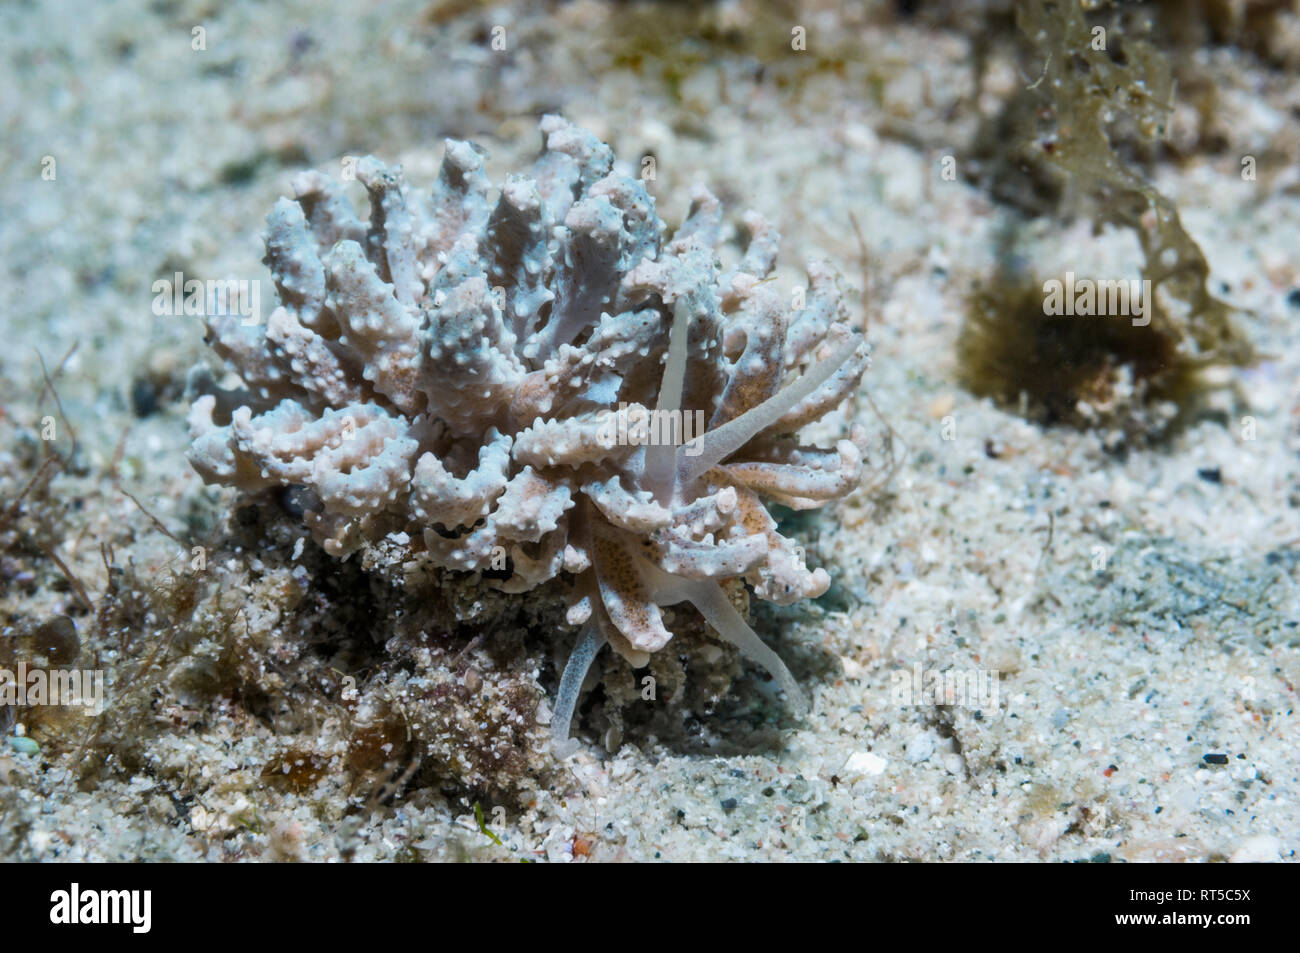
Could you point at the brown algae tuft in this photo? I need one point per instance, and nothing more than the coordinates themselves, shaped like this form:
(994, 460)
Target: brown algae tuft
(1073, 141)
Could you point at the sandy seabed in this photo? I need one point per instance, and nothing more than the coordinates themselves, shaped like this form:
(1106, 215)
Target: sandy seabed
(1136, 612)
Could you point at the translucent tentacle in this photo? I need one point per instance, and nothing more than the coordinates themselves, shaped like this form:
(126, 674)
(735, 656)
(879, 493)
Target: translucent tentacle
(590, 641)
(718, 611)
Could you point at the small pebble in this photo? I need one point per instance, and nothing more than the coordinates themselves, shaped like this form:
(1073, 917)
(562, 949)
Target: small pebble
(1260, 849)
(144, 397)
(56, 639)
(864, 764)
(24, 745)
(920, 748)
